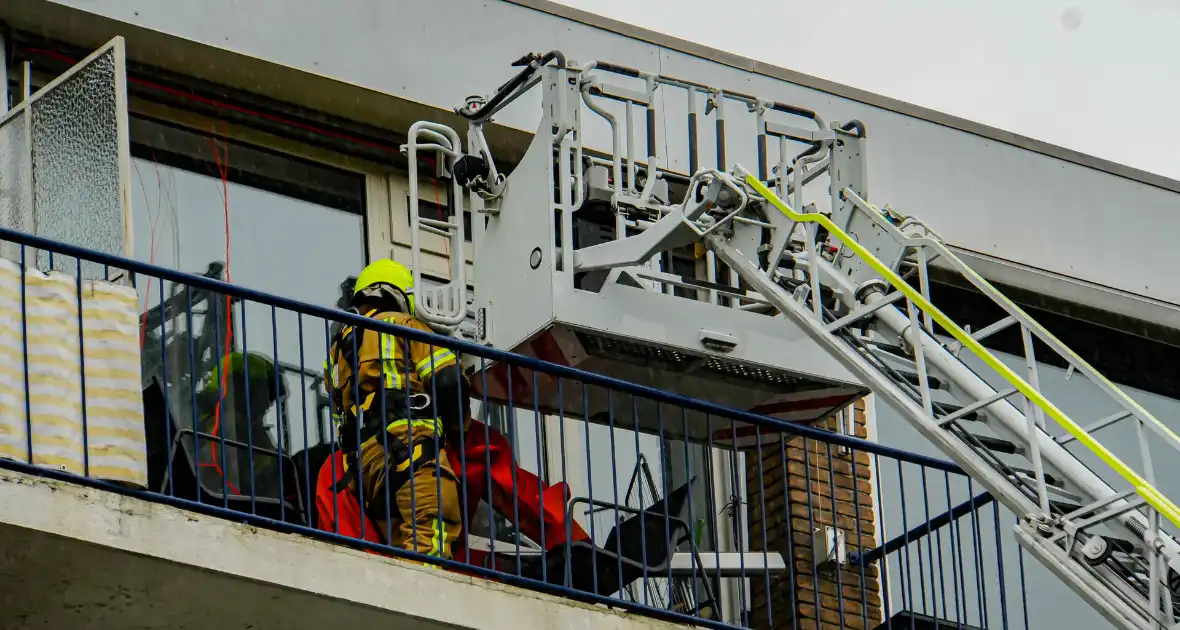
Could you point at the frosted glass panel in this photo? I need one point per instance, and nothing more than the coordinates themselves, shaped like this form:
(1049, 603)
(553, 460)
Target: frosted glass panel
(16, 213)
(76, 187)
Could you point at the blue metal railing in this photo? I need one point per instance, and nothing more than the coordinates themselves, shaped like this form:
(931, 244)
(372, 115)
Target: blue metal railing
(950, 568)
(666, 556)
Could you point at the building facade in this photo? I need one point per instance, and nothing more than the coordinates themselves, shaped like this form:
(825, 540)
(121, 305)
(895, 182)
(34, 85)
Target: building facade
(264, 137)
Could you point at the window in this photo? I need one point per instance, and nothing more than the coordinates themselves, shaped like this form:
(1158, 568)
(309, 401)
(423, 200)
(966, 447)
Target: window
(277, 224)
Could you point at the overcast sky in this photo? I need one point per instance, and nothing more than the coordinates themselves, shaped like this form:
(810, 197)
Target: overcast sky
(1097, 76)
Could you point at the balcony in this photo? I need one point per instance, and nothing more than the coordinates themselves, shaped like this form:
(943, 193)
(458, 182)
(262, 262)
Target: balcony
(76, 556)
(719, 532)
(143, 487)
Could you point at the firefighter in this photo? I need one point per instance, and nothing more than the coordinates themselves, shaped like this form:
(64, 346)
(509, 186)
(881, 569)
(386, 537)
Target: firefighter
(254, 403)
(394, 400)
(514, 493)
(235, 406)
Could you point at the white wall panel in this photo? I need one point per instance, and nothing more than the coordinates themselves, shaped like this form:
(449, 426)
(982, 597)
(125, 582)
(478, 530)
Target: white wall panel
(982, 194)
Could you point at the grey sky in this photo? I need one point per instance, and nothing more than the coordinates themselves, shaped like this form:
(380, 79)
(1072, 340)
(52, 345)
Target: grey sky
(1078, 73)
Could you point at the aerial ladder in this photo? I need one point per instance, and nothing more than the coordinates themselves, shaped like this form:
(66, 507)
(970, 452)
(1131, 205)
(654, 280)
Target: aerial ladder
(852, 276)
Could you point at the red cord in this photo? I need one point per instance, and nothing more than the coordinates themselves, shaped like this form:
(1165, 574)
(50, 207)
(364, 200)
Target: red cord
(223, 169)
(143, 328)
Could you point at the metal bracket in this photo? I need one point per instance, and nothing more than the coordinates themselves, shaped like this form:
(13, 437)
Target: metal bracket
(719, 342)
(828, 548)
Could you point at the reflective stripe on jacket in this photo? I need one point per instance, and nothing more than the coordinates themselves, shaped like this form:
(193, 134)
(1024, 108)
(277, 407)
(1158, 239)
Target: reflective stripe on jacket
(383, 361)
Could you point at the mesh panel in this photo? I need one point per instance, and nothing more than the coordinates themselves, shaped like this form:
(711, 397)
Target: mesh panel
(672, 360)
(748, 372)
(16, 213)
(610, 345)
(76, 185)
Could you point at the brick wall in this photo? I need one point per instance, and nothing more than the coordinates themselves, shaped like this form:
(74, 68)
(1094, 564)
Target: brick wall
(797, 499)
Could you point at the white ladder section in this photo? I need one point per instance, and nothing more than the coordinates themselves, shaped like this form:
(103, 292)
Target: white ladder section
(443, 307)
(1106, 544)
(847, 284)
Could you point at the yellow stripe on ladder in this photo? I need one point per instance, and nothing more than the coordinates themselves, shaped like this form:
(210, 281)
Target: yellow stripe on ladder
(1149, 493)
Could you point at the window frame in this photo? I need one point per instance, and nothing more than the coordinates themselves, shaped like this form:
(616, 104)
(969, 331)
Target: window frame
(389, 226)
(260, 178)
(285, 149)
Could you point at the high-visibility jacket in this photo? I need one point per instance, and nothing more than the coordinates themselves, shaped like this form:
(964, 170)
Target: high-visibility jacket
(383, 362)
(373, 378)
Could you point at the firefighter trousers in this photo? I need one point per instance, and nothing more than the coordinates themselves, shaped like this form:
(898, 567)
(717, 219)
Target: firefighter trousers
(424, 516)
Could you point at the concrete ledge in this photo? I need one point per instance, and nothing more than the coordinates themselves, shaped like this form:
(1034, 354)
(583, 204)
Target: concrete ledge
(73, 557)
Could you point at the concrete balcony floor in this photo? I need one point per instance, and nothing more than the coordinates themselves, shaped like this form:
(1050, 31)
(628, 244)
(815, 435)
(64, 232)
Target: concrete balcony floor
(79, 557)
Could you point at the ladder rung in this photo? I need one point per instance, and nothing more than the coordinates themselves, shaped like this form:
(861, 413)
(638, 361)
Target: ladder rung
(1103, 423)
(443, 225)
(970, 412)
(912, 377)
(997, 445)
(887, 348)
(1049, 479)
(865, 311)
(909, 375)
(994, 328)
(970, 416)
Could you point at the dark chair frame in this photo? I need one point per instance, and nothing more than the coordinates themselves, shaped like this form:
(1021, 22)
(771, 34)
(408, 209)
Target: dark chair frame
(606, 570)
